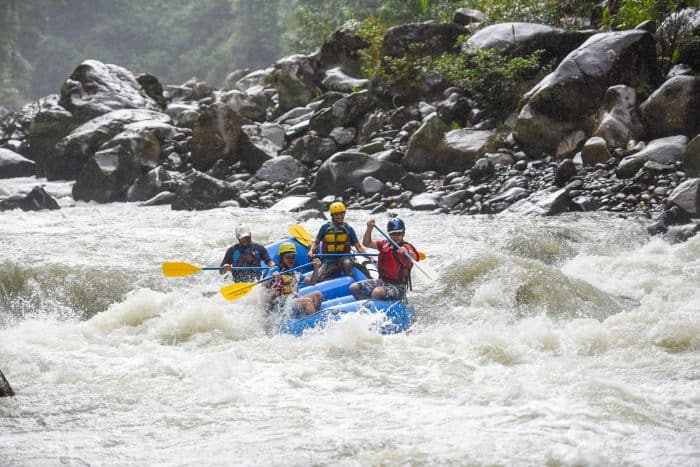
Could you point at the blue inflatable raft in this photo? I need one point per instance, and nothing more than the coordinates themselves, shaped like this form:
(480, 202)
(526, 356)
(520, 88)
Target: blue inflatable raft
(394, 316)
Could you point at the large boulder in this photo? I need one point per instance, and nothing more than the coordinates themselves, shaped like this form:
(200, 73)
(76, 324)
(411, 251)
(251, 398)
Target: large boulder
(336, 80)
(75, 149)
(36, 200)
(5, 388)
(679, 35)
(149, 185)
(348, 169)
(342, 49)
(617, 119)
(245, 105)
(95, 88)
(691, 160)
(281, 169)
(673, 108)
(344, 111)
(520, 39)
(428, 39)
(663, 151)
(51, 124)
(573, 92)
(542, 203)
(310, 148)
(296, 204)
(216, 135)
(106, 176)
(295, 79)
(13, 165)
(255, 147)
(687, 196)
(198, 191)
(431, 147)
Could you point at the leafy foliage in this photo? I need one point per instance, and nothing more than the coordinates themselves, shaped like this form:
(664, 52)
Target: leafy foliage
(42, 41)
(488, 76)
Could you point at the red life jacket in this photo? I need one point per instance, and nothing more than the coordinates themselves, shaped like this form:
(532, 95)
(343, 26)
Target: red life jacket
(394, 267)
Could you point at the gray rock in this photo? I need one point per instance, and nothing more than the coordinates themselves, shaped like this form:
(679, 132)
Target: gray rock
(164, 197)
(520, 39)
(216, 135)
(37, 199)
(673, 108)
(425, 202)
(13, 165)
(691, 160)
(663, 150)
(348, 169)
(618, 120)
(95, 88)
(254, 148)
(200, 191)
(296, 204)
(687, 196)
(594, 151)
(336, 80)
(5, 388)
(542, 203)
(295, 79)
(283, 169)
(106, 176)
(371, 185)
(75, 149)
(566, 97)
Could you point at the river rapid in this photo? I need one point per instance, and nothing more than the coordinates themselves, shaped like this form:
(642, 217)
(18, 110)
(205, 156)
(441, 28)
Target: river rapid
(570, 340)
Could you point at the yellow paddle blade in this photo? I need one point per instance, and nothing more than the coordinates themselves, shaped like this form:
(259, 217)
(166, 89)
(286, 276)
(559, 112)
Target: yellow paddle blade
(237, 290)
(176, 269)
(301, 234)
(421, 256)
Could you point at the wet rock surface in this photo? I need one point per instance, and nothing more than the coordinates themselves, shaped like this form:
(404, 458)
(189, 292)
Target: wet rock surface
(310, 129)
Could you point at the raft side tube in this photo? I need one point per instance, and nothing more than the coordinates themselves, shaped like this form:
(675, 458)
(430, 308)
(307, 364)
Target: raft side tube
(399, 316)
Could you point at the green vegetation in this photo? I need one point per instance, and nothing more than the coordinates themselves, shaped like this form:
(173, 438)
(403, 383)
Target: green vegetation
(489, 77)
(42, 41)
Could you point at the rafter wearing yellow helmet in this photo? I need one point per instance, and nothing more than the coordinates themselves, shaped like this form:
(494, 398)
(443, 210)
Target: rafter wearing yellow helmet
(335, 237)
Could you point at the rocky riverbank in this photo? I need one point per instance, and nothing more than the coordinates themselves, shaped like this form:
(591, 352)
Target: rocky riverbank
(604, 131)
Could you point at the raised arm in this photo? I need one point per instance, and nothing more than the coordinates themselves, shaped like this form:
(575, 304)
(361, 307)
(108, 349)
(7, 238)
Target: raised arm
(367, 237)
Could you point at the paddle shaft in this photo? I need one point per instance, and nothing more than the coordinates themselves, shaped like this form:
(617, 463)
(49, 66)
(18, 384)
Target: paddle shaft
(393, 243)
(396, 245)
(236, 268)
(286, 271)
(346, 254)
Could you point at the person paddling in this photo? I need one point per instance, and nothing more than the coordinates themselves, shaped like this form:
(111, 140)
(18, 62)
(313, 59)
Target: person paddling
(393, 265)
(285, 285)
(245, 253)
(335, 237)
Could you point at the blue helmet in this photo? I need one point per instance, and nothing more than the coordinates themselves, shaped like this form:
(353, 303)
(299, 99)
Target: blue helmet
(396, 225)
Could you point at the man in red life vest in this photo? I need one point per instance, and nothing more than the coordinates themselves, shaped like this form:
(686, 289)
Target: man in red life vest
(394, 267)
(335, 237)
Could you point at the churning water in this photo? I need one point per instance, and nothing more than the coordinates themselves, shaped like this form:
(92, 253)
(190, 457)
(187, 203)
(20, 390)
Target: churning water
(570, 340)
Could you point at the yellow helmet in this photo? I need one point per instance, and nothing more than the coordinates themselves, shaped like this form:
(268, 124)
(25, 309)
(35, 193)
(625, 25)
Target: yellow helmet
(337, 207)
(287, 247)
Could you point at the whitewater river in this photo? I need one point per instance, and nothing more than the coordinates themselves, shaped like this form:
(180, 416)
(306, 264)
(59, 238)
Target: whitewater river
(571, 340)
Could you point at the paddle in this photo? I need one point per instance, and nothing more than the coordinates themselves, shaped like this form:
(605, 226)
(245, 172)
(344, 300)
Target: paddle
(301, 235)
(323, 255)
(241, 289)
(431, 275)
(304, 237)
(178, 269)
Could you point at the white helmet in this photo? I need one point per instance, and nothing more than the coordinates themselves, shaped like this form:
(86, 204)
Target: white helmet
(242, 231)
